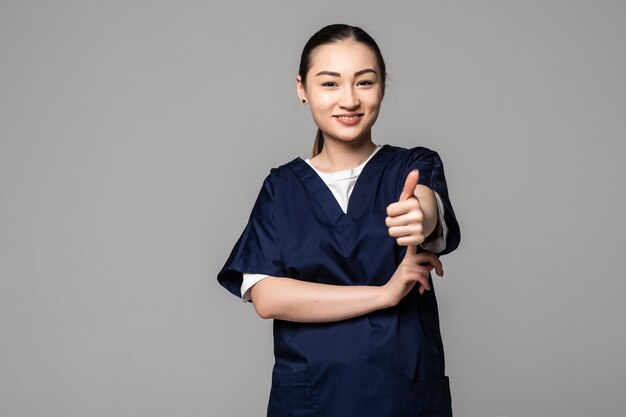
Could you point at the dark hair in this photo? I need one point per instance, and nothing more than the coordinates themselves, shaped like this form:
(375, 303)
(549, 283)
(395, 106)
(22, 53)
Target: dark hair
(330, 34)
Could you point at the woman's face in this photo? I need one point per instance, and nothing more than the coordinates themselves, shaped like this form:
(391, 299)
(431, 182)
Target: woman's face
(343, 89)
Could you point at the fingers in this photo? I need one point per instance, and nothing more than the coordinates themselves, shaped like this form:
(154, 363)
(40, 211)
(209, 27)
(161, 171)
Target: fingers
(410, 183)
(410, 240)
(403, 212)
(408, 235)
(420, 275)
(405, 222)
(426, 258)
(434, 262)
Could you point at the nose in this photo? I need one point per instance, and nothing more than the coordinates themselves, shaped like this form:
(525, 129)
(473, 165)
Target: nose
(349, 99)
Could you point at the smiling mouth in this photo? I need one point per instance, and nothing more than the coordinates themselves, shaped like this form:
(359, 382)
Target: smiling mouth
(349, 117)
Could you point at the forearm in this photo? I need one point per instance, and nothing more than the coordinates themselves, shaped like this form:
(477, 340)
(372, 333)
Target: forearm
(428, 203)
(302, 301)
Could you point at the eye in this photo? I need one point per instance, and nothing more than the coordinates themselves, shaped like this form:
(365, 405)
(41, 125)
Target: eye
(365, 82)
(329, 84)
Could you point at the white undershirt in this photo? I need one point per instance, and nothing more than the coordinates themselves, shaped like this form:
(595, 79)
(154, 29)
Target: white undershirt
(341, 183)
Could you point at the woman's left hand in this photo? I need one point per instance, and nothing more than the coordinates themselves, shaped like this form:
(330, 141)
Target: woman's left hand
(405, 218)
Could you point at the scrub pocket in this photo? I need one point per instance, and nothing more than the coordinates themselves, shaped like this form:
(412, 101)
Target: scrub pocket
(433, 398)
(290, 396)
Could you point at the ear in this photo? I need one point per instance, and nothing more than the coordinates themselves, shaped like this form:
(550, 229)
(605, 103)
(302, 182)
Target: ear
(300, 88)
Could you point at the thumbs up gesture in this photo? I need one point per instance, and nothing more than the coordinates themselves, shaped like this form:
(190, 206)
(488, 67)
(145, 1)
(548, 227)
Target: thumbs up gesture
(405, 218)
(405, 221)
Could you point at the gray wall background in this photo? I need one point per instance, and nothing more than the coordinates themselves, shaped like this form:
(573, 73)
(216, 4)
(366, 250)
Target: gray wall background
(134, 137)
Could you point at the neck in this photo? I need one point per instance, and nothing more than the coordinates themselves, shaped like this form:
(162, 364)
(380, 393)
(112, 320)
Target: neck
(339, 155)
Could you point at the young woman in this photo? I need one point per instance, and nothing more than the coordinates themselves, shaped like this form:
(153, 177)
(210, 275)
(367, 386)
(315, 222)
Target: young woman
(339, 248)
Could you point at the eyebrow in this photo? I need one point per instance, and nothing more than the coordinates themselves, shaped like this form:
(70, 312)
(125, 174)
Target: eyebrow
(336, 74)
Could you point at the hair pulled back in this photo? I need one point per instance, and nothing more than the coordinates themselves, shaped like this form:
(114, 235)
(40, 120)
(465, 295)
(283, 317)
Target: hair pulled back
(330, 34)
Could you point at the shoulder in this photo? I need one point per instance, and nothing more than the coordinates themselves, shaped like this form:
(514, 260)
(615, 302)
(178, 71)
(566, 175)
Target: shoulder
(281, 172)
(278, 177)
(287, 166)
(414, 151)
(408, 156)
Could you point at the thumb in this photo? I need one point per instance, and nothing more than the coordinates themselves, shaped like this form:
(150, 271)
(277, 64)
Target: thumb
(409, 185)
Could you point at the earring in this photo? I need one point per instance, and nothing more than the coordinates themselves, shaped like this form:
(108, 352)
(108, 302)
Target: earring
(304, 100)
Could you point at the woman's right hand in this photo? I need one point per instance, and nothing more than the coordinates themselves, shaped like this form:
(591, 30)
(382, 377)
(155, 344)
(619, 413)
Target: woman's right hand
(413, 269)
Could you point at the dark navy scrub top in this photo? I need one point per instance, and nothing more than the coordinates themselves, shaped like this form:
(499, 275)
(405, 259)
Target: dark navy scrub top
(388, 363)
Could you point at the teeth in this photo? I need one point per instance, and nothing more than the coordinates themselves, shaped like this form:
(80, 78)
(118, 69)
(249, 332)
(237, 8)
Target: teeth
(348, 117)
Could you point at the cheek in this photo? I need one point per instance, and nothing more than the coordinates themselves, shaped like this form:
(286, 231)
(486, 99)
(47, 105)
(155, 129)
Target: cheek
(375, 99)
(322, 106)
(324, 102)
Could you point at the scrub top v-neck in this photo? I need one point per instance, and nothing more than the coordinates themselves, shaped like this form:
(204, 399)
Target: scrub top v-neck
(324, 195)
(341, 183)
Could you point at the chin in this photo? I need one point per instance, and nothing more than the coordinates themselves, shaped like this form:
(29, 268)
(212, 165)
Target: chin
(348, 139)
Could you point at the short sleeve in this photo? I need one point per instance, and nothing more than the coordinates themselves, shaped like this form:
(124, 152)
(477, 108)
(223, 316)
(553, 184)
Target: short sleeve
(258, 248)
(431, 174)
(249, 280)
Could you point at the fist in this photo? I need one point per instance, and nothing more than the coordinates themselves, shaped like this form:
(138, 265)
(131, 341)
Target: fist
(405, 218)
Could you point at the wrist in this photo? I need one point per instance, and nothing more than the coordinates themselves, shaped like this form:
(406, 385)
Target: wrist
(435, 231)
(384, 298)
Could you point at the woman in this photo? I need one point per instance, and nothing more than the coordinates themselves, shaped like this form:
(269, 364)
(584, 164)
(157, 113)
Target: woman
(338, 251)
